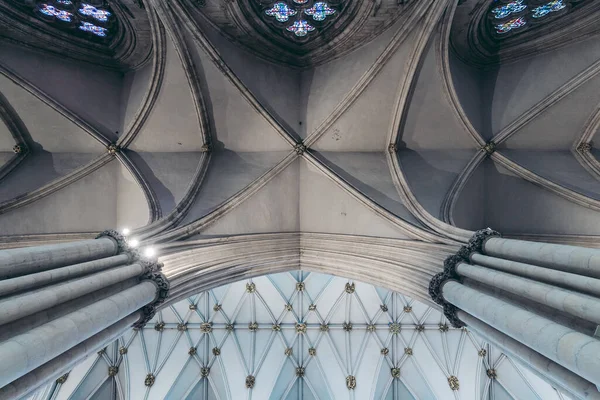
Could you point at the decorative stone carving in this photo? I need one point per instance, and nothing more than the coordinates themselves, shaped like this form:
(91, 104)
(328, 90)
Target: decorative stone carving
(395, 373)
(351, 382)
(250, 287)
(276, 327)
(250, 381)
(192, 351)
(350, 287)
(420, 328)
(19, 148)
(407, 309)
(193, 307)
(385, 351)
(395, 328)
(62, 379)
(347, 326)
(300, 286)
(253, 326)
(122, 245)
(206, 148)
(489, 147)
(408, 351)
(384, 307)
(162, 292)
(216, 351)
(324, 328)
(150, 379)
(101, 352)
(312, 351)
(113, 371)
(443, 328)
(312, 307)
(453, 382)
(300, 372)
(392, 148)
(217, 307)
(288, 351)
(122, 350)
(300, 148)
(206, 327)
(478, 239)
(301, 328)
(371, 327)
(482, 353)
(182, 327)
(584, 147)
(204, 372)
(113, 149)
(229, 327)
(491, 373)
(288, 307)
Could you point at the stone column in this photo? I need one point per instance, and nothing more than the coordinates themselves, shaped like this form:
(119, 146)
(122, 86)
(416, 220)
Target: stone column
(523, 292)
(71, 298)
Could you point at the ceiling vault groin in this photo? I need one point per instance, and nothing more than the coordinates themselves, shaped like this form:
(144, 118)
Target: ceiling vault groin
(582, 146)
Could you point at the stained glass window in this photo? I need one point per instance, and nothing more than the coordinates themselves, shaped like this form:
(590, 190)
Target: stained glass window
(319, 11)
(281, 12)
(510, 16)
(300, 28)
(90, 18)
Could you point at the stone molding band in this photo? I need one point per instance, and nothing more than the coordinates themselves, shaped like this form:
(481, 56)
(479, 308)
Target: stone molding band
(475, 245)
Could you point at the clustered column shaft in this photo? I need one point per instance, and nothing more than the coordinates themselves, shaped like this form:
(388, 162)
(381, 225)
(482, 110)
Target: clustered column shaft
(519, 294)
(59, 303)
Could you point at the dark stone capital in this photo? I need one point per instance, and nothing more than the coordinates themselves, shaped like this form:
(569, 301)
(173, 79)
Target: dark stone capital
(162, 292)
(478, 239)
(117, 237)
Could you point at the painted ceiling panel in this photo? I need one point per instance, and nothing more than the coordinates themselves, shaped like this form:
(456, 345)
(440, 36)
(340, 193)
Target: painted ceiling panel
(252, 363)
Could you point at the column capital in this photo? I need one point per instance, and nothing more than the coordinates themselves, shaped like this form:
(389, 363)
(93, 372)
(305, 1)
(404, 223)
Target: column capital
(118, 238)
(478, 239)
(162, 292)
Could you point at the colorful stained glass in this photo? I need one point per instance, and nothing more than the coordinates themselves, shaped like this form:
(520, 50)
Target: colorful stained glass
(96, 13)
(508, 26)
(96, 30)
(547, 8)
(280, 11)
(55, 12)
(64, 2)
(507, 9)
(301, 28)
(319, 11)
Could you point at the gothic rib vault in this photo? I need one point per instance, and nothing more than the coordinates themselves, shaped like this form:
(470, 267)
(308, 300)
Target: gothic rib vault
(373, 163)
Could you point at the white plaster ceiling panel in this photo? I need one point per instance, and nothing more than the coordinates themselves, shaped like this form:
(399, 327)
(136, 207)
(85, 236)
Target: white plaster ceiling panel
(520, 85)
(275, 86)
(560, 167)
(88, 204)
(298, 335)
(325, 207)
(173, 124)
(430, 173)
(365, 125)
(430, 122)
(273, 208)
(467, 213)
(237, 125)
(40, 168)
(54, 132)
(559, 126)
(132, 207)
(135, 85)
(229, 173)
(6, 139)
(369, 173)
(325, 86)
(89, 91)
(533, 208)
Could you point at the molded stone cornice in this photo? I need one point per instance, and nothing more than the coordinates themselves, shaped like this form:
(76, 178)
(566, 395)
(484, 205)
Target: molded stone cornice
(532, 177)
(567, 88)
(56, 184)
(360, 86)
(159, 58)
(201, 40)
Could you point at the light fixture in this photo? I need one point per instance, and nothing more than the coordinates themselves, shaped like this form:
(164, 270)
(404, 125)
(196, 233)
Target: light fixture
(133, 243)
(149, 252)
(125, 231)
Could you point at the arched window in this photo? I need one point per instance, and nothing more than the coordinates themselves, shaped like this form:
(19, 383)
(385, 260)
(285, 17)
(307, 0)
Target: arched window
(92, 18)
(508, 17)
(301, 17)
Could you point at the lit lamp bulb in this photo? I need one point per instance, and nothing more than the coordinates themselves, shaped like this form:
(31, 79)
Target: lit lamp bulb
(125, 231)
(149, 252)
(133, 243)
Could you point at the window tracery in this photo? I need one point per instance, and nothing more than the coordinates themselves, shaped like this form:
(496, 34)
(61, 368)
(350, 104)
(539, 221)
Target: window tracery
(89, 18)
(301, 17)
(508, 17)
